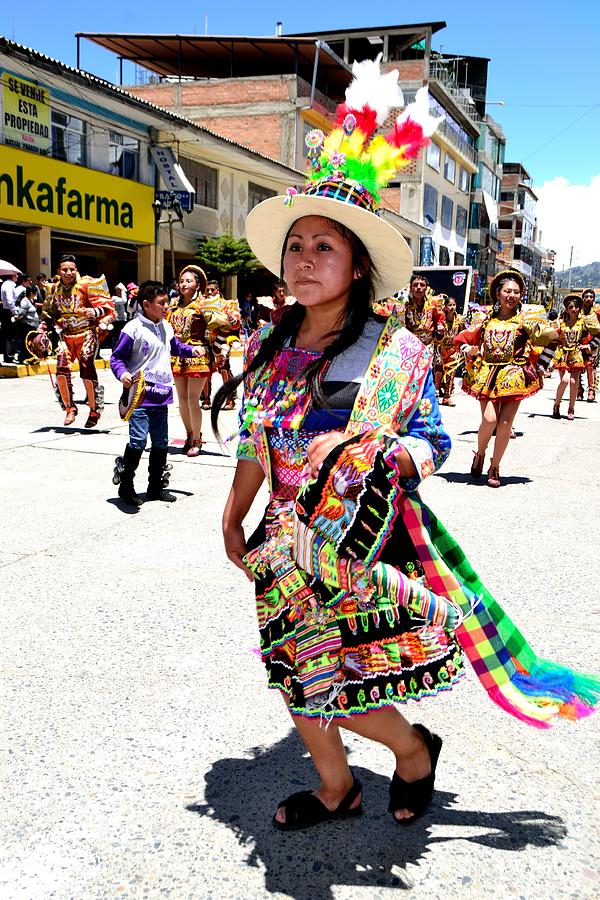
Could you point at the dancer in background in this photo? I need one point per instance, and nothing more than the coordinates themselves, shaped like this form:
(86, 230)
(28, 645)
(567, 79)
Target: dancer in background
(591, 346)
(499, 373)
(569, 361)
(79, 308)
(188, 319)
(450, 356)
(225, 319)
(422, 314)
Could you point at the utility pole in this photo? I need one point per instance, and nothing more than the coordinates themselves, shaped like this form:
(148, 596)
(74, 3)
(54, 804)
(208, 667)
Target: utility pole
(570, 261)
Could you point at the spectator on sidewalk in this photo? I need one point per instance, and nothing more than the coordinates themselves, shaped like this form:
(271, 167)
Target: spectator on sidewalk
(7, 330)
(26, 319)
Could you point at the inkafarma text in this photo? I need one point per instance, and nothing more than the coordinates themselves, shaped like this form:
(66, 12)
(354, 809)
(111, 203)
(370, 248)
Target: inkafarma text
(59, 199)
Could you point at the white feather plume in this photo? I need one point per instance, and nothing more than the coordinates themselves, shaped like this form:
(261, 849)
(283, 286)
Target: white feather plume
(418, 111)
(370, 88)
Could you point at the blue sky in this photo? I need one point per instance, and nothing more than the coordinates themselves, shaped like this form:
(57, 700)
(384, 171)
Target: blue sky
(543, 62)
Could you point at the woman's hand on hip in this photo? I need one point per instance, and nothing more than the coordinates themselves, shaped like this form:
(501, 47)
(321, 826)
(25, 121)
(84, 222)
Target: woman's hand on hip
(235, 548)
(320, 447)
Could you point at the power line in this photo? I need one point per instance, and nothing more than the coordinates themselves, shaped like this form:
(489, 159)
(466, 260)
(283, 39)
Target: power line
(562, 131)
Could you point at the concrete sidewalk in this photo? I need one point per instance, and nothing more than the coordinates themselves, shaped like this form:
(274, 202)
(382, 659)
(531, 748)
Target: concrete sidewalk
(141, 753)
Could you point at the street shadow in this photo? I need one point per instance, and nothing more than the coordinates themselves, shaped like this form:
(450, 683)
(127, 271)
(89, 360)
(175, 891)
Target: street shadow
(69, 429)
(465, 478)
(176, 451)
(563, 417)
(365, 852)
(124, 507)
(518, 434)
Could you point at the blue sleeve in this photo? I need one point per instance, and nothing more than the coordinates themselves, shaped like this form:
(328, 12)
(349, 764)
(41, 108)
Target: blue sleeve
(424, 437)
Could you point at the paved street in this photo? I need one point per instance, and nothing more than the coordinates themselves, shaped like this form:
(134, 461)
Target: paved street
(143, 757)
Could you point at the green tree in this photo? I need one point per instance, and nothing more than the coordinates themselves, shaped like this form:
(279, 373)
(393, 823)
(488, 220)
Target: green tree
(226, 255)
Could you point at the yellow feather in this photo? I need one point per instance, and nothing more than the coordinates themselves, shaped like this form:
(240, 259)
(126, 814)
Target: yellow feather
(337, 141)
(386, 159)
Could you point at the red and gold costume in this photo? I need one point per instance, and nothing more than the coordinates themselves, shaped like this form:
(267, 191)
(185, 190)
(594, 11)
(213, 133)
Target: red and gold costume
(189, 323)
(67, 307)
(503, 369)
(225, 320)
(571, 354)
(450, 357)
(423, 320)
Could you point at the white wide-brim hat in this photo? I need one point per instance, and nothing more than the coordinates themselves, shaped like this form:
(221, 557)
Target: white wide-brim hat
(268, 224)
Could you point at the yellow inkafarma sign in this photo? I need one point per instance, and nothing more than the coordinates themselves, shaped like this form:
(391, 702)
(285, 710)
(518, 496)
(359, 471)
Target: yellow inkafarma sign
(36, 190)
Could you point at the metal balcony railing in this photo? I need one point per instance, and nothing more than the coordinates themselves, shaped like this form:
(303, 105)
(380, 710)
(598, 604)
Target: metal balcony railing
(459, 143)
(461, 96)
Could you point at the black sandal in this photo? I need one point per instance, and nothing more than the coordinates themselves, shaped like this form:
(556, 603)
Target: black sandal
(304, 809)
(416, 795)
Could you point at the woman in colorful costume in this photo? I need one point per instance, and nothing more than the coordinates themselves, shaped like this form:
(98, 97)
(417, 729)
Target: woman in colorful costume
(361, 594)
(81, 310)
(500, 372)
(575, 329)
(189, 322)
(450, 357)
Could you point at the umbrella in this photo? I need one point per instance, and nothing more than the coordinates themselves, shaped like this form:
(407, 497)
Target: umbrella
(7, 268)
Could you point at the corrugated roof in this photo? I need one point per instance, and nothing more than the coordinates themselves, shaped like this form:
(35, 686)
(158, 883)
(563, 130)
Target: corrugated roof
(12, 48)
(229, 56)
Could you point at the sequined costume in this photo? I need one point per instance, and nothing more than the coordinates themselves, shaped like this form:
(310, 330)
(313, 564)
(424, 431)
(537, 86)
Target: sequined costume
(504, 368)
(225, 321)
(449, 358)
(189, 323)
(67, 308)
(423, 320)
(571, 353)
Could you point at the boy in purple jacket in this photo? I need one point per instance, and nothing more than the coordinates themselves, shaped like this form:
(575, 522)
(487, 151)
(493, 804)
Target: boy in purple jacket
(146, 344)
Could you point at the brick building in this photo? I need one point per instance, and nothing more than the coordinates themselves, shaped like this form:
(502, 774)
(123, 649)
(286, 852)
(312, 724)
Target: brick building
(517, 226)
(268, 92)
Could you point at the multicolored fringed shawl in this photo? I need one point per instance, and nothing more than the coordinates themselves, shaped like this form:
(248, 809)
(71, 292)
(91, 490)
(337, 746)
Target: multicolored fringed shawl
(346, 514)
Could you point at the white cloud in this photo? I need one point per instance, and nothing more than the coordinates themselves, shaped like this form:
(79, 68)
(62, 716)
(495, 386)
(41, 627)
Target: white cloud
(568, 216)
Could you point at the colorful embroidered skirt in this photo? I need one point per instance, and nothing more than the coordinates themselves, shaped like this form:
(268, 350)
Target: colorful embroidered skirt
(370, 649)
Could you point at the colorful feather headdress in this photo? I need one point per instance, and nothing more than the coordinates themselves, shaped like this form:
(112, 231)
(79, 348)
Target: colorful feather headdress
(352, 152)
(348, 169)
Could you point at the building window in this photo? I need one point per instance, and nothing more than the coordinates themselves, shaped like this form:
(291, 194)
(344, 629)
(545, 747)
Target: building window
(505, 224)
(447, 212)
(68, 138)
(257, 193)
(433, 156)
(204, 180)
(461, 221)
(463, 180)
(459, 259)
(430, 204)
(506, 196)
(475, 215)
(444, 256)
(123, 155)
(449, 169)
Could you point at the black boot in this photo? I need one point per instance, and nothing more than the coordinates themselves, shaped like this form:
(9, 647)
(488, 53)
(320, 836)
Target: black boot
(125, 467)
(159, 474)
